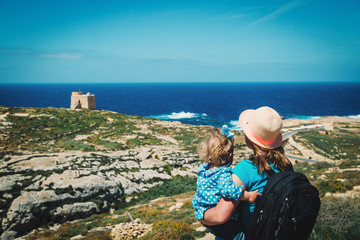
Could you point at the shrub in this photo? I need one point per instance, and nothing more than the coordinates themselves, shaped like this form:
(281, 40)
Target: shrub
(331, 186)
(70, 144)
(187, 204)
(169, 230)
(338, 219)
(322, 165)
(151, 213)
(98, 235)
(349, 163)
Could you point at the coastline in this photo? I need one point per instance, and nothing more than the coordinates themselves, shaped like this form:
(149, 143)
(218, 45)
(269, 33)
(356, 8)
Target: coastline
(325, 120)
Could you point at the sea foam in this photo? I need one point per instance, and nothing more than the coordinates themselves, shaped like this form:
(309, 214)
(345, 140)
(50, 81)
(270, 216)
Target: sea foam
(354, 116)
(235, 125)
(180, 115)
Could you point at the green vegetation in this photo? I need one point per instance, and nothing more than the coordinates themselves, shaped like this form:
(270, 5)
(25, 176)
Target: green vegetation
(189, 140)
(143, 139)
(56, 129)
(70, 144)
(332, 181)
(348, 180)
(338, 219)
(349, 163)
(314, 169)
(68, 230)
(169, 230)
(334, 145)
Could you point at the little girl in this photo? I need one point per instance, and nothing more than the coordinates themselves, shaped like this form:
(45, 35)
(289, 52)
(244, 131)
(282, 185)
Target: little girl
(215, 181)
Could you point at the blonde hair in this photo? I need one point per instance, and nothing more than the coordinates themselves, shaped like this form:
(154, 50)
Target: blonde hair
(216, 148)
(262, 157)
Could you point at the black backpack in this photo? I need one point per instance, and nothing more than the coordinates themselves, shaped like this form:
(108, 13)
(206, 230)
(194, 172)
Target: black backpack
(287, 209)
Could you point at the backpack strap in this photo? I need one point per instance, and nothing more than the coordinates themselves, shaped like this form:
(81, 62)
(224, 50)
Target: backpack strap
(290, 167)
(269, 173)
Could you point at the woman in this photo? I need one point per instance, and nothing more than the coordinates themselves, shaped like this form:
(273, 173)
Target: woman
(262, 135)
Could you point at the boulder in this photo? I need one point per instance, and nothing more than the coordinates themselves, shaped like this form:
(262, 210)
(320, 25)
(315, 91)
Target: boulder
(130, 230)
(71, 211)
(151, 163)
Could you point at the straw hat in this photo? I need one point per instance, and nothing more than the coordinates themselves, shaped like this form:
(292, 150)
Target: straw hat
(262, 126)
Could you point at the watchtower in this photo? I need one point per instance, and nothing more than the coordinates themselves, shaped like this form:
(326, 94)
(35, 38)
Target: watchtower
(78, 100)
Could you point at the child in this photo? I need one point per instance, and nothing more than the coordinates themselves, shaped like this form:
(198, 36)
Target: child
(215, 181)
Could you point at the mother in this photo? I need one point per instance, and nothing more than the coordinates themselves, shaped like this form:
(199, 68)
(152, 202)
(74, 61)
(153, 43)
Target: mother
(262, 135)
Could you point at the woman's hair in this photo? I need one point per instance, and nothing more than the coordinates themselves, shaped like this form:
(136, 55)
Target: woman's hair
(216, 148)
(262, 157)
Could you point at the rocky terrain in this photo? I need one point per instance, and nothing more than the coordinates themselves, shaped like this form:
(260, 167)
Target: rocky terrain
(58, 165)
(51, 171)
(58, 187)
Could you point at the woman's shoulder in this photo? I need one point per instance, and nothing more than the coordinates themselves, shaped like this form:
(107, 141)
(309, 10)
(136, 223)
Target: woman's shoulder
(245, 162)
(243, 166)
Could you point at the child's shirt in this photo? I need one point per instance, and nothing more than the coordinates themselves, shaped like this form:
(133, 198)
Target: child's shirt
(211, 186)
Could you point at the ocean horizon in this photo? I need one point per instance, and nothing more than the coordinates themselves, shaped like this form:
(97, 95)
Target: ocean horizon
(212, 104)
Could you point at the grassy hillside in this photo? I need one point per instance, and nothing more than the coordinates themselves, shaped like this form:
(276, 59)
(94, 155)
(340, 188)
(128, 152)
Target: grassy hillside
(60, 129)
(167, 207)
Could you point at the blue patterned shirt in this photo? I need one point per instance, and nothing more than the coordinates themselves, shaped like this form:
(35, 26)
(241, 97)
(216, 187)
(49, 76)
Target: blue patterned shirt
(211, 186)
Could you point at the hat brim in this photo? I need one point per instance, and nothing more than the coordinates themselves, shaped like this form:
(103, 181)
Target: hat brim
(244, 119)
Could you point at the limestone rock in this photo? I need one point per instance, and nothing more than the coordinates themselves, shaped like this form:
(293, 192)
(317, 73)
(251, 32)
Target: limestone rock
(76, 210)
(143, 154)
(32, 208)
(131, 230)
(7, 182)
(62, 186)
(179, 172)
(151, 163)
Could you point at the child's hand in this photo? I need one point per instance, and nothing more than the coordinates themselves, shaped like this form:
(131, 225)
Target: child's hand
(253, 195)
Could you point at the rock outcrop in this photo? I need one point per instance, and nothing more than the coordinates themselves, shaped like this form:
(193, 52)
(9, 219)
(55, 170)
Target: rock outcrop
(130, 230)
(53, 188)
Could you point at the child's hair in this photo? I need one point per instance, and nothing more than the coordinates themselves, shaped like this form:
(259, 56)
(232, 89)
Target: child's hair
(216, 148)
(261, 157)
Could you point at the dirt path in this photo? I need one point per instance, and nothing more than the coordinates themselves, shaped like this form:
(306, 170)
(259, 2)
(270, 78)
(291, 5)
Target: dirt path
(308, 152)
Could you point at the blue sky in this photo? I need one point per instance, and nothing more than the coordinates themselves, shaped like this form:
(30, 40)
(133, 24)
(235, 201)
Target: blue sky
(88, 41)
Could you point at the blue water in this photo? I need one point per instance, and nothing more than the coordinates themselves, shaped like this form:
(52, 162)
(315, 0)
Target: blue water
(197, 103)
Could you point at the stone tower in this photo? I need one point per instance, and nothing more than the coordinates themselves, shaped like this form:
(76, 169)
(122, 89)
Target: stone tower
(78, 100)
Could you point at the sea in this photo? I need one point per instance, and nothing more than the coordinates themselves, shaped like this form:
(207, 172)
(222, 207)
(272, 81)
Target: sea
(212, 104)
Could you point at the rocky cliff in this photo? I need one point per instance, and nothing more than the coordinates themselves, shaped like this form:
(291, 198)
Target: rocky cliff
(44, 180)
(57, 187)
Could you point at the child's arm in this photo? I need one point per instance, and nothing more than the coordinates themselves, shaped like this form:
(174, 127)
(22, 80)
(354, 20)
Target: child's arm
(250, 196)
(221, 213)
(229, 189)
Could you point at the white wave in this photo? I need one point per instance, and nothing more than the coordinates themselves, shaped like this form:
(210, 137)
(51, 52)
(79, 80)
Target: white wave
(235, 125)
(354, 116)
(180, 115)
(318, 117)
